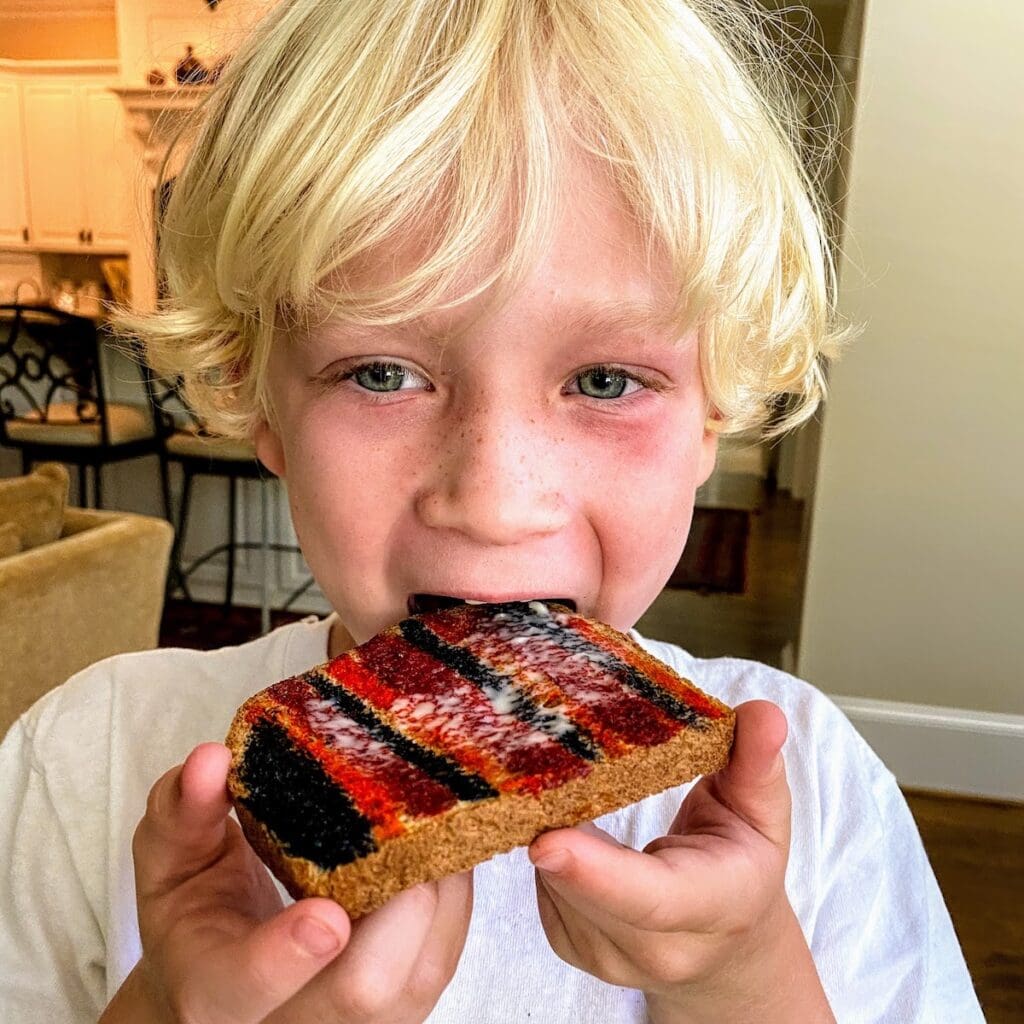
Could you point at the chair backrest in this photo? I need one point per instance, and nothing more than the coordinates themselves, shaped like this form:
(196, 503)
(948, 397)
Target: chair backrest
(47, 357)
(171, 411)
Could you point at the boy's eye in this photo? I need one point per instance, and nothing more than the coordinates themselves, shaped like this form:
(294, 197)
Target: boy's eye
(606, 382)
(382, 377)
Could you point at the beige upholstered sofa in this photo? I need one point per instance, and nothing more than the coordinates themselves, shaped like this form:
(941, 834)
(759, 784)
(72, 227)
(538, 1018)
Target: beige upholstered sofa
(76, 585)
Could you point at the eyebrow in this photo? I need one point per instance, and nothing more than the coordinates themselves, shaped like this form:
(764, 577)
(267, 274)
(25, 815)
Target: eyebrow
(600, 318)
(610, 316)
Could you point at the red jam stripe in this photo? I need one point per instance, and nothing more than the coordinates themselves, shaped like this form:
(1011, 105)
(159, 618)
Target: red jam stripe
(358, 673)
(615, 715)
(503, 690)
(437, 707)
(436, 764)
(383, 786)
(660, 674)
(502, 646)
(589, 641)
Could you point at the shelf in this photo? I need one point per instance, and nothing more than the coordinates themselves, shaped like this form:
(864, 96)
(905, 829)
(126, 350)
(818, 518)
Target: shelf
(58, 250)
(159, 98)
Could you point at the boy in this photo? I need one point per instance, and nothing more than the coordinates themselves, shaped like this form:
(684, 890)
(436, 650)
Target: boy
(484, 282)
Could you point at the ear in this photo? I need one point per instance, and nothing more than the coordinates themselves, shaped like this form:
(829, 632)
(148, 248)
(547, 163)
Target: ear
(707, 457)
(269, 449)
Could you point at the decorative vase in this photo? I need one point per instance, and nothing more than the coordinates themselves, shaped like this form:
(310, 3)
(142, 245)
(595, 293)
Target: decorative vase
(190, 70)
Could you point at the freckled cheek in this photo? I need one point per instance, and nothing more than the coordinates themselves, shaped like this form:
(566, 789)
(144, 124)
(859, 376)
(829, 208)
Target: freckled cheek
(341, 468)
(649, 457)
(642, 512)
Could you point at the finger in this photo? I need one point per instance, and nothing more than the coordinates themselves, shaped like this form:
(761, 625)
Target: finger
(568, 935)
(182, 831)
(439, 956)
(248, 980)
(753, 784)
(386, 948)
(609, 883)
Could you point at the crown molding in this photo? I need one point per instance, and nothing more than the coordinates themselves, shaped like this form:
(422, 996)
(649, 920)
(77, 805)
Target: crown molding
(32, 10)
(156, 115)
(95, 65)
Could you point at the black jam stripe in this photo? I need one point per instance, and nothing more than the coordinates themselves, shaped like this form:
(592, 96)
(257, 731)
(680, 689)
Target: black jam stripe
(572, 642)
(577, 739)
(290, 793)
(465, 785)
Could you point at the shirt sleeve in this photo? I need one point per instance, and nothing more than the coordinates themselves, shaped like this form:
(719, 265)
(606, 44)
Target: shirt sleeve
(882, 937)
(51, 946)
(858, 876)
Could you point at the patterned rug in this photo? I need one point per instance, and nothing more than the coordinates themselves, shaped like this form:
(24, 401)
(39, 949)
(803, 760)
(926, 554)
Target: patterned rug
(714, 560)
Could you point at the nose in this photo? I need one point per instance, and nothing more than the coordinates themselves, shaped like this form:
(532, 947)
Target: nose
(498, 479)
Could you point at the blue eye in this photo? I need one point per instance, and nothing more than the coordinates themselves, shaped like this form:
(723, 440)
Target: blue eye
(381, 377)
(605, 382)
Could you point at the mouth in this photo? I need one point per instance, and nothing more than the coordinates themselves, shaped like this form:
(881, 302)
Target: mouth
(421, 604)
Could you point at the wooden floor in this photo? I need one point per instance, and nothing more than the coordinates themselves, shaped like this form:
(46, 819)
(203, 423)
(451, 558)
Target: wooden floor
(977, 852)
(976, 848)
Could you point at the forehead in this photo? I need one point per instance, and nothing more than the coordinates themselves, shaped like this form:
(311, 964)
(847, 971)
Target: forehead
(592, 266)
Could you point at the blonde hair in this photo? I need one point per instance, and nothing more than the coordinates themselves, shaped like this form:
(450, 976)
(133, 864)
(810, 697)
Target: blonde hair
(338, 125)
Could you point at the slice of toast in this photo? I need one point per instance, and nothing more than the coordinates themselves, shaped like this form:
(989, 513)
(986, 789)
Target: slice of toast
(454, 736)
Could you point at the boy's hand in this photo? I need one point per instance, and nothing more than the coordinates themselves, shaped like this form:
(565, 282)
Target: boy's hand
(699, 921)
(218, 948)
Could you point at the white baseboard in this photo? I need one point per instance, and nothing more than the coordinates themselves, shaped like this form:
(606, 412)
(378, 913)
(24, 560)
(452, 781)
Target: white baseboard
(953, 750)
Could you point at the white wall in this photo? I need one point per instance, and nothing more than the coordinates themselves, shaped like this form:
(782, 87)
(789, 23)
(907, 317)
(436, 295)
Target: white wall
(915, 587)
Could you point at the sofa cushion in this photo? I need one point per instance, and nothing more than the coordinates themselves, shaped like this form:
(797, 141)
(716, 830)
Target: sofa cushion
(10, 540)
(64, 426)
(188, 442)
(34, 504)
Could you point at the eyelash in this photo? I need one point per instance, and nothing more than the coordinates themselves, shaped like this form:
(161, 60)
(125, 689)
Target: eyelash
(646, 384)
(349, 373)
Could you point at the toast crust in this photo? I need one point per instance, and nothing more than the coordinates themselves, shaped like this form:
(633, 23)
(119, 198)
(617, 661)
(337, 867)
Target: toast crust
(472, 832)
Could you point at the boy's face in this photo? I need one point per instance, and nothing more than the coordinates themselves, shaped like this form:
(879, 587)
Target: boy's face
(519, 459)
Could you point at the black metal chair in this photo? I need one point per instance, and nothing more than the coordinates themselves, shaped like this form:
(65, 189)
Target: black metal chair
(53, 400)
(184, 440)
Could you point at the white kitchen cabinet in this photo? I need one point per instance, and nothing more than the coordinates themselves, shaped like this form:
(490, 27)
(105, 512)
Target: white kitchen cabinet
(14, 228)
(109, 162)
(53, 163)
(76, 161)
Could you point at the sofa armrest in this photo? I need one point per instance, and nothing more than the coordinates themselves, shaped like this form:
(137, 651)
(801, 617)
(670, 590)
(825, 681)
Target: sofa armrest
(95, 592)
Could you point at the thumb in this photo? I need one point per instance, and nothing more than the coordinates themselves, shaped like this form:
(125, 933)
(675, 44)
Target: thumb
(183, 829)
(753, 784)
(248, 980)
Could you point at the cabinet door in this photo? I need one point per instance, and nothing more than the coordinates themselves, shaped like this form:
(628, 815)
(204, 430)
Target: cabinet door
(53, 163)
(109, 163)
(13, 207)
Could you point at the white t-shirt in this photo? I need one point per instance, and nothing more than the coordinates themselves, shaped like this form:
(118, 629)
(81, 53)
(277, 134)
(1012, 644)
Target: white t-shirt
(75, 771)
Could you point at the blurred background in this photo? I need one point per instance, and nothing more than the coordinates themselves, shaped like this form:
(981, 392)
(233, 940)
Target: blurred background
(875, 552)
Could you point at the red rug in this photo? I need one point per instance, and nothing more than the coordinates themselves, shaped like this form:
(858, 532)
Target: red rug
(714, 560)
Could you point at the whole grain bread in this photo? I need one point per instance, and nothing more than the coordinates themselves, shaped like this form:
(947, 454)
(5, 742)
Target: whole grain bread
(454, 736)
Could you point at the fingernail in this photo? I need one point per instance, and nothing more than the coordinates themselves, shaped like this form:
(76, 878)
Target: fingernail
(314, 937)
(553, 861)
